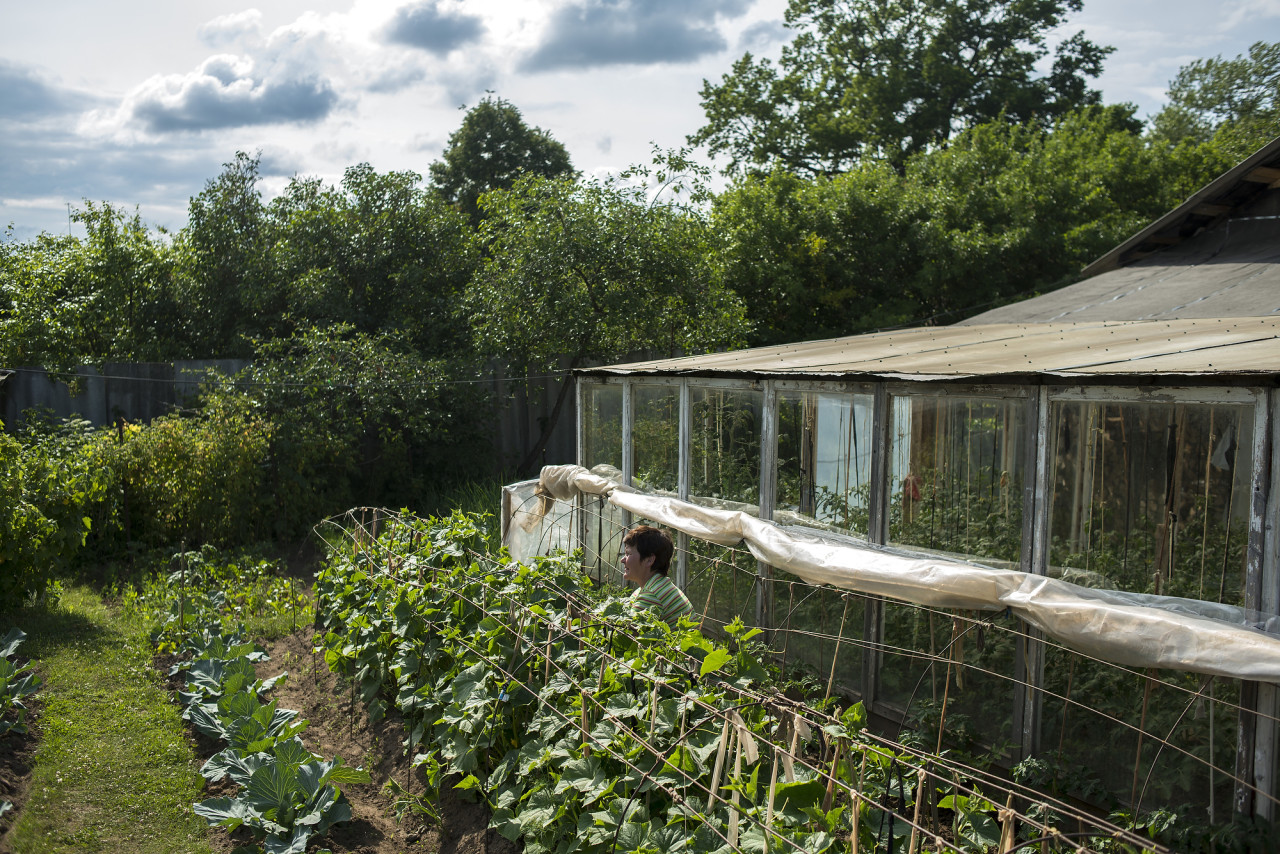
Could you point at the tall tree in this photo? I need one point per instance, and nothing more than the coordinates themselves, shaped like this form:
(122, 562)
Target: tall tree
(66, 302)
(491, 149)
(1233, 101)
(1000, 212)
(592, 272)
(377, 252)
(223, 265)
(884, 79)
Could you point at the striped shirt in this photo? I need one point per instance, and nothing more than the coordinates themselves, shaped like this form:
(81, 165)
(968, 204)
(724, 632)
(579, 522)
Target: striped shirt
(661, 595)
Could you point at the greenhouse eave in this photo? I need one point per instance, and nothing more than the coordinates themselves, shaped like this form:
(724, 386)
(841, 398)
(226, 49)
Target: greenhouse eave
(1230, 350)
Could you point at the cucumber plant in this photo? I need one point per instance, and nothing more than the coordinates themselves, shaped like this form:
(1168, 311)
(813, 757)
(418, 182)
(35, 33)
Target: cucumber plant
(587, 725)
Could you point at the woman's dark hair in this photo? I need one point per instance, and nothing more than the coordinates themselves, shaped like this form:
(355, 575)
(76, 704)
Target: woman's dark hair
(649, 541)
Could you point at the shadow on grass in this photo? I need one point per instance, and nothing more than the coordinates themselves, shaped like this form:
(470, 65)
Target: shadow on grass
(50, 627)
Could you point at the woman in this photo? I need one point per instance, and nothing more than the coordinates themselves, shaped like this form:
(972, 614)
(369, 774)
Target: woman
(646, 557)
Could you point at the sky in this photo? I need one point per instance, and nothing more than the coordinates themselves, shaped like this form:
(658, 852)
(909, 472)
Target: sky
(141, 104)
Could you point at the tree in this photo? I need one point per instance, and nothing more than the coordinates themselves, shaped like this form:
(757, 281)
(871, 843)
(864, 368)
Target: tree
(593, 271)
(885, 79)
(1234, 102)
(1000, 212)
(356, 416)
(226, 286)
(378, 252)
(491, 149)
(66, 302)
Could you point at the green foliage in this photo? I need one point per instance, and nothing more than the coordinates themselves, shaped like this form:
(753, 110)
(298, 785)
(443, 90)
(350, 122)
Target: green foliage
(355, 416)
(66, 302)
(50, 478)
(586, 724)
(637, 275)
(16, 682)
(285, 804)
(287, 794)
(876, 80)
(195, 479)
(1003, 210)
(1216, 100)
(223, 272)
(377, 253)
(492, 149)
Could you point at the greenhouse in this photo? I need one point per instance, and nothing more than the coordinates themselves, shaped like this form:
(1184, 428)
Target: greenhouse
(1046, 543)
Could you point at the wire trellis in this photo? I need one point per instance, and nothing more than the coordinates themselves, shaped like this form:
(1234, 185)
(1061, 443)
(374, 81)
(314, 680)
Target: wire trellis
(1113, 735)
(922, 772)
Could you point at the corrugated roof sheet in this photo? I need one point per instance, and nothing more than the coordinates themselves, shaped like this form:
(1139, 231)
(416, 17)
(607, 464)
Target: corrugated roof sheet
(1247, 346)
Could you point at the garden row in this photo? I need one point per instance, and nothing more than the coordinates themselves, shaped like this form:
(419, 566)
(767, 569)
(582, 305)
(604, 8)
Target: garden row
(286, 794)
(587, 725)
(16, 681)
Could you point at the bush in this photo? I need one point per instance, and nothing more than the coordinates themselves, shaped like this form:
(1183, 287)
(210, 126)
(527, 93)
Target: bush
(196, 480)
(49, 477)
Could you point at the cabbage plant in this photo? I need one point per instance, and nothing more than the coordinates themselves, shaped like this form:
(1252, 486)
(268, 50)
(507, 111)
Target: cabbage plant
(245, 723)
(286, 804)
(15, 683)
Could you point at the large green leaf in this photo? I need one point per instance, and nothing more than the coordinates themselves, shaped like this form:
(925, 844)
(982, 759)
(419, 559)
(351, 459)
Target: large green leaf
(226, 812)
(11, 641)
(715, 660)
(274, 786)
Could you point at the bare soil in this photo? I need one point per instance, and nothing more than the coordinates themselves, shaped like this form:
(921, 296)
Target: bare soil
(17, 753)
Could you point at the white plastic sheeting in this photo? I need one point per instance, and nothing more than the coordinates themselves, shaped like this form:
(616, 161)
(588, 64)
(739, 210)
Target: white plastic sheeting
(1135, 630)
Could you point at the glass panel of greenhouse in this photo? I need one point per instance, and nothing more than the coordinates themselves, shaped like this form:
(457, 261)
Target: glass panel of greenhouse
(655, 437)
(601, 446)
(724, 449)
(601, 425)
(1152, 497)
(824, 459)
(956, 487)
(1148, 498)
(957, 476)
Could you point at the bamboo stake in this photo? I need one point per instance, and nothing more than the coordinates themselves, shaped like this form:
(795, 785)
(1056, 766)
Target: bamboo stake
(835, 656)
(915, 819)
(827, 802)
(736, 797)
(768, 813)
(586, 744)
(857, 803)
(725, 738)
(653, 710)
(1142, 729)
(1008, 827)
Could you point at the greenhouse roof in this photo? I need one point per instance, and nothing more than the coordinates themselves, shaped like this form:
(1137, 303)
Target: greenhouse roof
(1125, 351)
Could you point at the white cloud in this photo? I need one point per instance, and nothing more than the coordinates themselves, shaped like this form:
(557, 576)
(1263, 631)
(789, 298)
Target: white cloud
(762, 36)
(433, 26)
(233, 29)
(1248, 12)
(225, 91)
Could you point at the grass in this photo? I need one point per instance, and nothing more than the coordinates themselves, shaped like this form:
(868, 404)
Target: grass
(115, 770)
